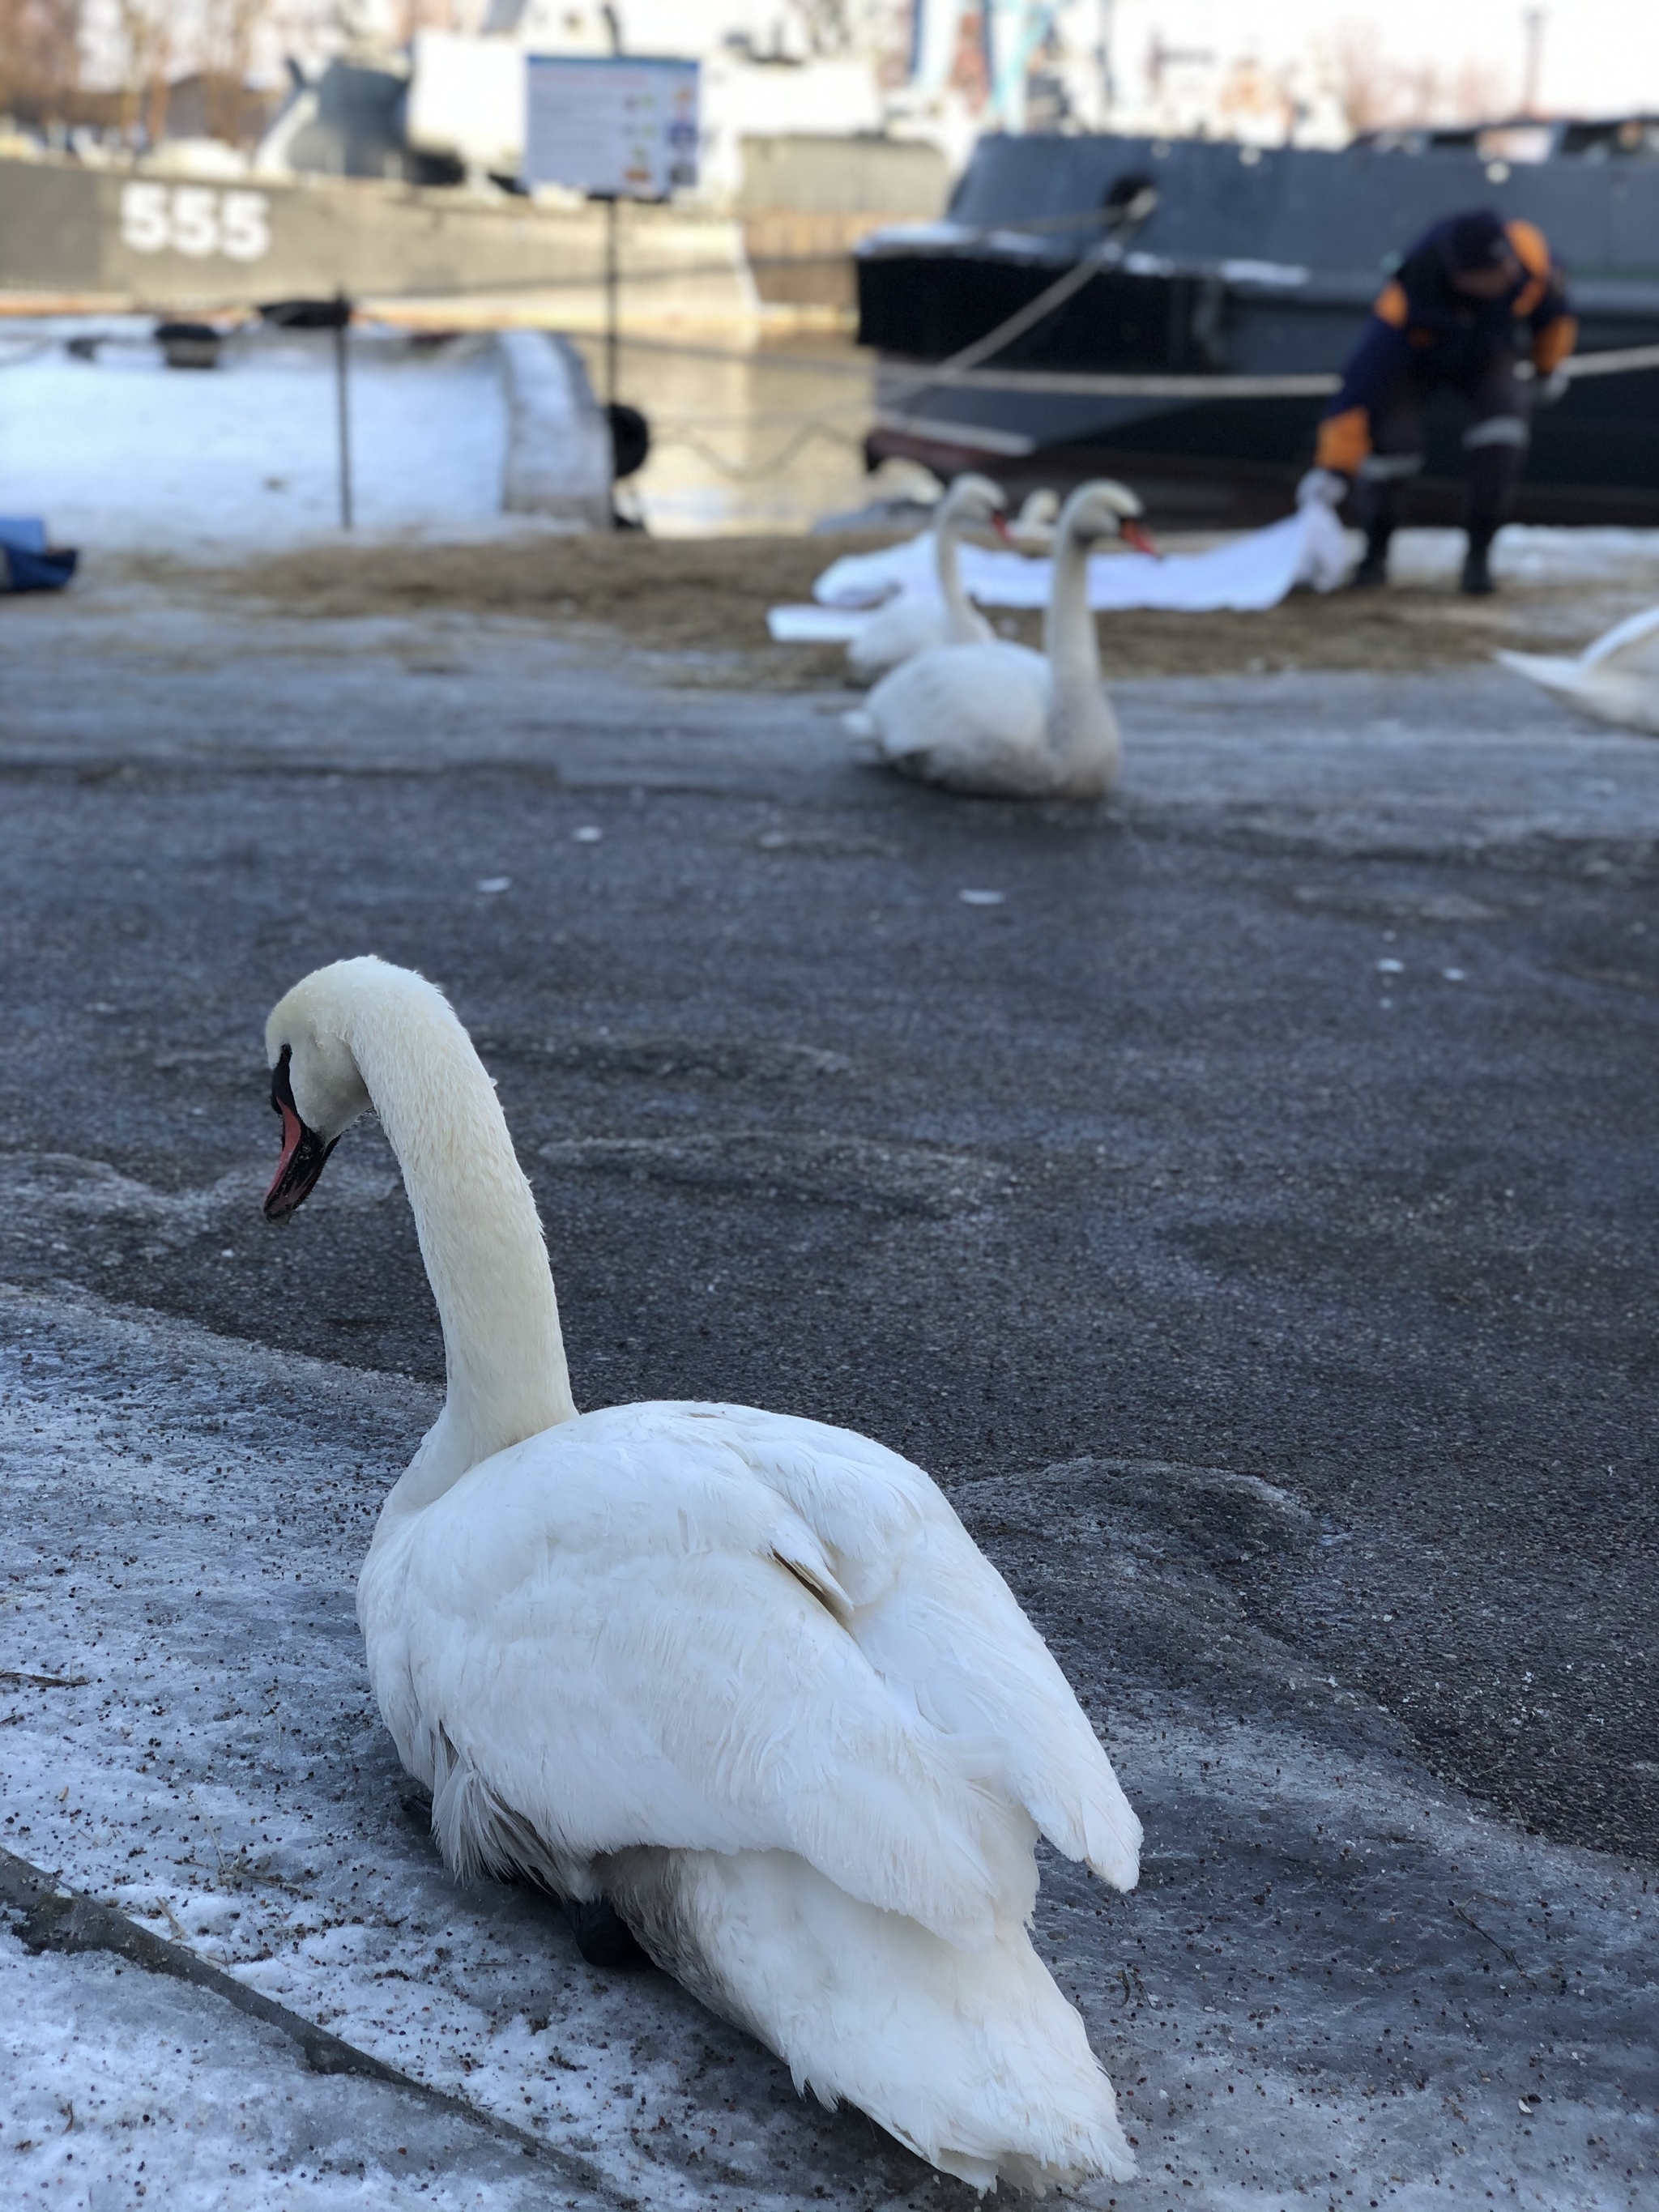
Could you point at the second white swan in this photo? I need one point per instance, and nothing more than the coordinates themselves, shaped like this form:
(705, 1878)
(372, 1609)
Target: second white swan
(998, 719)
(915, 620)
(745, 1675)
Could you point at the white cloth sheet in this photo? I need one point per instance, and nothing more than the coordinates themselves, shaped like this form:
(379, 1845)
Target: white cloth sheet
(815, 625)
(1253, 571)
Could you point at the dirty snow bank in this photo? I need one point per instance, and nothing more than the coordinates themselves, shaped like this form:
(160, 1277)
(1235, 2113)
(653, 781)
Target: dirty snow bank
(123, 453)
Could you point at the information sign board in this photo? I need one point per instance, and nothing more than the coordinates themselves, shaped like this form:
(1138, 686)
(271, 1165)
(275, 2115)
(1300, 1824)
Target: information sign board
(623, 127)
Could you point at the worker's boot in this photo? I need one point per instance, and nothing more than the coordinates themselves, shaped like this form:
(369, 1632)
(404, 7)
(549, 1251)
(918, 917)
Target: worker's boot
(1373, 569)
(1477, 581)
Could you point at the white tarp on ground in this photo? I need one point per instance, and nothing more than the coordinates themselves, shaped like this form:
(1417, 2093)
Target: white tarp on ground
(1251, 572)
(1255, 571)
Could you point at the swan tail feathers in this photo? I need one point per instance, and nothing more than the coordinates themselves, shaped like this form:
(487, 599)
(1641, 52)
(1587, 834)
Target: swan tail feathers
(974, 2061)
(1112, 1837)
(1101, 1828)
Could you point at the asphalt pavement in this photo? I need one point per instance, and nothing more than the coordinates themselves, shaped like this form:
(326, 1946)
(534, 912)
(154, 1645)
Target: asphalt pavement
(1240, 1195)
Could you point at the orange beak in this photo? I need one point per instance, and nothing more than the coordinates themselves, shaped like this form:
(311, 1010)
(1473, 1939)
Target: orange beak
(1000, 524)
(1132, 534)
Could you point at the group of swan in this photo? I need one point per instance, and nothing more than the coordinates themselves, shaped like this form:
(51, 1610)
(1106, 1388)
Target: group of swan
(959, 706)
(1616, 679)
(912, 621)
(743, 1675)
(989, 716)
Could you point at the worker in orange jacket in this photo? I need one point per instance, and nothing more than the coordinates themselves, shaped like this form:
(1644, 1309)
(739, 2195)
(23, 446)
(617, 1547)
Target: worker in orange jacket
(1477, 306)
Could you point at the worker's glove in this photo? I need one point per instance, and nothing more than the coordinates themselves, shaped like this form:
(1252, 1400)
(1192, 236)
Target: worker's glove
(1551, 388)
(1322, 487)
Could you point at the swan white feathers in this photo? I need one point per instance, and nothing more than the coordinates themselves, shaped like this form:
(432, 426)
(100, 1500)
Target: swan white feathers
(745, 1674)
(1032, 530)
(1616, 679)
(915, 620)
(996, 718)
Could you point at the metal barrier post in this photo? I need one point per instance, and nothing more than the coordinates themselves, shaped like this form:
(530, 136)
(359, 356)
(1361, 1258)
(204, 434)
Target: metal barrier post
(612, 289)
(342, 325)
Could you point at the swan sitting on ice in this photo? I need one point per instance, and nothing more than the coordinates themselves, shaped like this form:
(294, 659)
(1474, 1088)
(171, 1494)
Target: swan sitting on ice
(999, 720)
(1616, 679)
(745, 1676)
(914, 620)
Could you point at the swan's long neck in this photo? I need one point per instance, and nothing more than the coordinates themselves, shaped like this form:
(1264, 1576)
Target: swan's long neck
(947, 563)
(1068, 628)
(1082, 735)
(481, 1238)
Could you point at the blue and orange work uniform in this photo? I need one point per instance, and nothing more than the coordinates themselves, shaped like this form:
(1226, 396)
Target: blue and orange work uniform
(1427, 333)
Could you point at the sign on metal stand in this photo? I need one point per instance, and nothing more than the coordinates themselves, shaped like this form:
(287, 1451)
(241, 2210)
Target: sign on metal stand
(617, 128)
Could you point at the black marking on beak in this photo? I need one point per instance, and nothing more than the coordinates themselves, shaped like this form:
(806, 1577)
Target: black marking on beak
(304, 1153)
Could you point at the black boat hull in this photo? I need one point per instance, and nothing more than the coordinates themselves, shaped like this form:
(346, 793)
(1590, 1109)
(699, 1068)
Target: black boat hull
(1235, 462)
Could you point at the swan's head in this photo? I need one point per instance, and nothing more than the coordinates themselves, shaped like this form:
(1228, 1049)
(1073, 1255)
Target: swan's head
(315, 1083)
(974, 499)
(1105, 509)
(1032, 530)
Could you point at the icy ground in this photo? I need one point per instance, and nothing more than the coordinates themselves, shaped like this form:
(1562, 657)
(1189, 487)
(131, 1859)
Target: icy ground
(1337, 1986)
(123, 453)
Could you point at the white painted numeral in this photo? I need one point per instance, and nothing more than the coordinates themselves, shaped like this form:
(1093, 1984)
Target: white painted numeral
(196, 219)
(244, 226)
(145, 224)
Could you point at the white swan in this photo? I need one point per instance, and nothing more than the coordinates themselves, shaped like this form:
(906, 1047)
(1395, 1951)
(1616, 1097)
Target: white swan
(1032, 530)
(1616, 679)
(743, 1675)
(999, 720)
(914, 620)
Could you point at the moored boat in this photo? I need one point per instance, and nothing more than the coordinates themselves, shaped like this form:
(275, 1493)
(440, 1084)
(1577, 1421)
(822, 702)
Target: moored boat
(1176, 312)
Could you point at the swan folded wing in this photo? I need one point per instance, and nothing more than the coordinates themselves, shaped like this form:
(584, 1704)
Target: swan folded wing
(907, 625)
(963, 702)
(953, 1629)
(940, 1625)
(628, 1648)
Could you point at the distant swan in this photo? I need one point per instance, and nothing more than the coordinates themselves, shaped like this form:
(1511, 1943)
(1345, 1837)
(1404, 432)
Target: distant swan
(1032, 530)
(743, 1675)
(999, 720)
(1616, 679)
(914, 620)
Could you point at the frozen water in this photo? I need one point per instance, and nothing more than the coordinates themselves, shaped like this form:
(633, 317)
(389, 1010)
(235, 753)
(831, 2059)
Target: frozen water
(121, 453)
(1336, 1985)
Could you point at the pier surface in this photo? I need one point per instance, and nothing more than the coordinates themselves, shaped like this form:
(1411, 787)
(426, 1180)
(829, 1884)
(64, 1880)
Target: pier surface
(1247, 1217)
